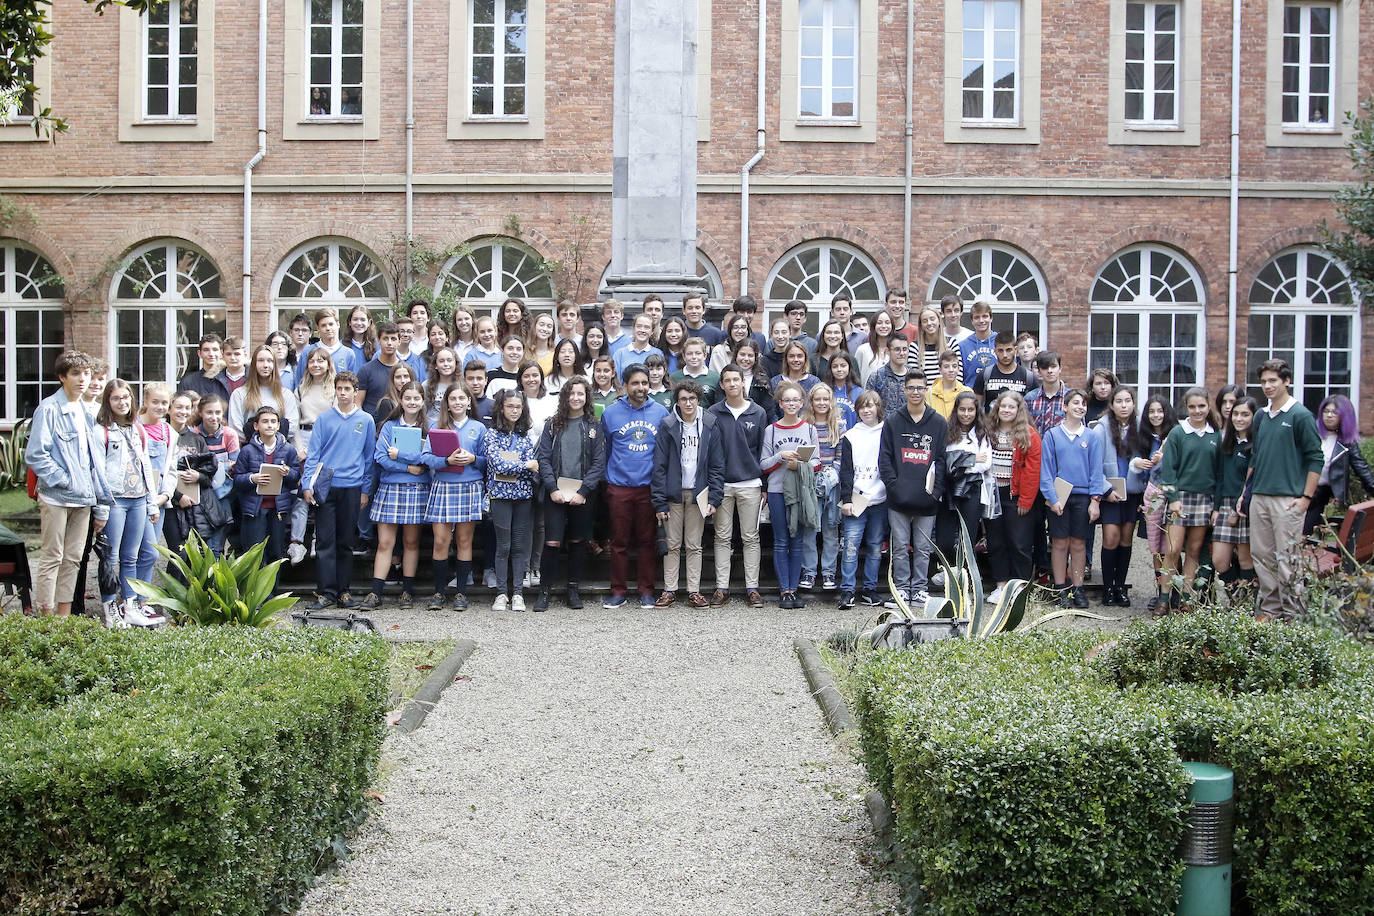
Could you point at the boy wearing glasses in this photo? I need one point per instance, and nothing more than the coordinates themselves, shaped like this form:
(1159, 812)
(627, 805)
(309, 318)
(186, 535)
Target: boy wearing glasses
(911, 463)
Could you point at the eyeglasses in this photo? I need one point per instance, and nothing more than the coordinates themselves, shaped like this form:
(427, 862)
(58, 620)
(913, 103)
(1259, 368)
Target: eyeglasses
(683, 398)
(915, 388)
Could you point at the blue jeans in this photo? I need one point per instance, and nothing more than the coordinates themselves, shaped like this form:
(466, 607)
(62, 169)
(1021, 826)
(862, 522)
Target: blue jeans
(787, 550)
(125, 529)
(147, 552)
(830, 542)
(867, 529)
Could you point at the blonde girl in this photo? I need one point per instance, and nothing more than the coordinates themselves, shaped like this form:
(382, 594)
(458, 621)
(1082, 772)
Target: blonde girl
(264, 389)
(822, 412)
(539, 345)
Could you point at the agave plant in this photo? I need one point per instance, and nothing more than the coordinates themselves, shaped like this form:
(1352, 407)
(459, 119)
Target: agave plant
(234, 591)
(13, 468)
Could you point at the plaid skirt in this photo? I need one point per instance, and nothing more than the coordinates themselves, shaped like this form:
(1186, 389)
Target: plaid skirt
(400, 503)
(1238, 533)
(1197, 510)
(454, 501)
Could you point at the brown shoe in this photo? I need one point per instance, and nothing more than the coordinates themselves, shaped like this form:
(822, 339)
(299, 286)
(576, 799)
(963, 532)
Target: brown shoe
(667, 599)
(697, 599)
(719, 597)
(755, 599)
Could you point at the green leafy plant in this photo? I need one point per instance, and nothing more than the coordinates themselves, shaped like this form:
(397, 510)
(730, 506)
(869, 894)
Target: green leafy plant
(13, 467)
(236, 591)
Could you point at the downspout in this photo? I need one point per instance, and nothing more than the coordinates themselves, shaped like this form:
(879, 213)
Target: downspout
(248, 170)
(906, 172)
(410, 131)
(1232, 267)
(754, 160)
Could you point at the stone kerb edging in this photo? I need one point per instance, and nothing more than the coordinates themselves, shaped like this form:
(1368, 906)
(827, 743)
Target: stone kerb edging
(839, 720)
(425, 699)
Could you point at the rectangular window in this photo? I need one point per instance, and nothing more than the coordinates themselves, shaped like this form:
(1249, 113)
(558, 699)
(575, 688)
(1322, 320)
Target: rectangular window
(499, 47)
(170, 61)
(1319, 347)
(16, 103)
(1152, 64)
(158, 343)
(32, 341)
(1154, 352)
(1309, 38)
(991, 60)
(829, 63)
(334, 33)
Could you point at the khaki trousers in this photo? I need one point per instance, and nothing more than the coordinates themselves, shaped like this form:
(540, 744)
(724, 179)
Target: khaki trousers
(1275, 539)
(747, 503)
(685, 525)
(64, 537)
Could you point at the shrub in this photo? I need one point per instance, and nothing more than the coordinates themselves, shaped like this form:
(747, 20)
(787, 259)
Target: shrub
(210, 590)
(192, 771)
(1025, 780)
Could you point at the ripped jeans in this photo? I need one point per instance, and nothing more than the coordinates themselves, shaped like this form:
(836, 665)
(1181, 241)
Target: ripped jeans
(866, 530)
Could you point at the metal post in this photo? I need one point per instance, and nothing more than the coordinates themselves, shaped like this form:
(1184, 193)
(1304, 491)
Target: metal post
(1206, 886)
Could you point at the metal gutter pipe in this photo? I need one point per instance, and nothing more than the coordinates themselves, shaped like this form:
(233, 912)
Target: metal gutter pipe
(248, 172)
(758, 155)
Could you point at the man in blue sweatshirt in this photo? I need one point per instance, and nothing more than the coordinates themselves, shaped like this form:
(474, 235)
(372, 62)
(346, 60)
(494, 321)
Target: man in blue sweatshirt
(340, 450)
(630, 426)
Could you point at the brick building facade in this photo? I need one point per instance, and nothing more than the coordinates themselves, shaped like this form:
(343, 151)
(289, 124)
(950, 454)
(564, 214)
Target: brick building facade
(1085, 186)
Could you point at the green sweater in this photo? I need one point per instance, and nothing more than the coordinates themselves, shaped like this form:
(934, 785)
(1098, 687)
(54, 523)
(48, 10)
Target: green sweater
(709, 382)
(1189, 464)
(1231, 477)
(1287, 448)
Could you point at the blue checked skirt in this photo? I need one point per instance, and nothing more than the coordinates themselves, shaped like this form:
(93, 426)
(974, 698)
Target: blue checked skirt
(453, 501)
(400, 503)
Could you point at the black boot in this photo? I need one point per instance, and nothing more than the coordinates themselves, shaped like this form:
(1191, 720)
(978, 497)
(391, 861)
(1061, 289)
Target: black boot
(541, 603)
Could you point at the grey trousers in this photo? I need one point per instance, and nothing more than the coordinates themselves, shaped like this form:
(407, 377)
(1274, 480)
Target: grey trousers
(915, 532)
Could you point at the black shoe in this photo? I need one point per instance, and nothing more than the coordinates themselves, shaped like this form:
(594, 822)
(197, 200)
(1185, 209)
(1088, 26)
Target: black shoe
(785, 600)
(1123, 596)
(798, 602)
(541, 602)
(871, 599)
(1062, 598)
(846, 601)
(320, 603)
(574, 596)
(1080, 600)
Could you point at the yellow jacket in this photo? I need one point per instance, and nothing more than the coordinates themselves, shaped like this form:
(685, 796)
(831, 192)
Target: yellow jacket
(941, 399)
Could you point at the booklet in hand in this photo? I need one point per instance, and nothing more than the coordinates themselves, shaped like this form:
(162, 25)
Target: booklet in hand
(858, 502)
(804, 452)
(569, 486)
(320, 486)
(190, 490)
(1062, 489)
(704, 500)
(275, 473)
(1118, 486)
(443, 442)
(406, 439)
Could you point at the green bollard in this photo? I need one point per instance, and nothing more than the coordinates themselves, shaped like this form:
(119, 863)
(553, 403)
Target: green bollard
(1206, 886)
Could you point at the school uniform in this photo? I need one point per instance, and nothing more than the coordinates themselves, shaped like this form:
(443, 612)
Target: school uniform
(1188, 472)
(402, 497)
(1076, 458)
(1232, 528)
(343, 443)
(264, 517)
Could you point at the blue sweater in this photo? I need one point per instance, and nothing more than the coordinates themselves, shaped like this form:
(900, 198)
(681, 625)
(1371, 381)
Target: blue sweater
(344, 360)
(630, 437)
(344, 444)
(1077, 460)
(976, 355)
(471, 436)
(397, 470)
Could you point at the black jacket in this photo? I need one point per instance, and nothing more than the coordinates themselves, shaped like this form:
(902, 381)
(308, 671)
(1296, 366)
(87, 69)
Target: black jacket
(666, 484)
(906, 453)
(593, 456)
(207, 515)
(1347, 460)
(740, 440)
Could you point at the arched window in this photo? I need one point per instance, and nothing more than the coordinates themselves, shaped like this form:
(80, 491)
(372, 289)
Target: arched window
(1147, 311)
(1000, 275)
(1303, 309)
(164, 297)
(814, 272)
(493, 270)
(328, 272)
(714, 288)
(31, 336)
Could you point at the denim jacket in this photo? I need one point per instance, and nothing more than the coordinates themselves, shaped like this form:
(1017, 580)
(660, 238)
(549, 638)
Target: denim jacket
(66, 476)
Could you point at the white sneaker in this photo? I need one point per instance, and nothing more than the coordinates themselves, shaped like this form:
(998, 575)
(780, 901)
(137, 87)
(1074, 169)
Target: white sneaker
(937, 582)
(526, 583)
(995, 596)
(533, 576)
(453, 583)
(136, 616)
(489, 580)
(111, 616)
(917, 604)
(517, 602)
(501, 603)
(296, 553)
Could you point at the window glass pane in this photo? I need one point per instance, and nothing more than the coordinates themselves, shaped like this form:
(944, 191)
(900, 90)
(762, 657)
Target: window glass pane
(482, 100)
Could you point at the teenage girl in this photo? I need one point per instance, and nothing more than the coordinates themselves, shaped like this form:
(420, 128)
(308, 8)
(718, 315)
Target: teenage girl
(966, 434)
(515, 321)
(401, 376)
(864, 527)
(1016, 471)
(659, 391)
(539, 345)
(873, 354)
(842, 379)
(567, 365)
(157, 399)
(1072, 453)
(462, 333)
(1226, 399)
(604, 388)
(830, 342)
(795, 368)
(1101, 383)
(511, 470)
(1119, 430)
(1157, 420)
(1342, 458)
(486, 348)
(830, 424)
(455, 498)
(223, 443)
(1188, 477)
(120, 436)
(756, 386)
(1231, 530)
(593, 346)
(362, 334)
(671, 339)
(191, 463)
(736, 330)
(446, 375)
(931, 339)
(778, 457)
(569, 446)
(264, 389)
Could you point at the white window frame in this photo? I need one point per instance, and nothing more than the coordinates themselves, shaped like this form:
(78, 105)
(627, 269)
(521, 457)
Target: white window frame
(987, 60)
(1305, 66)
(1301, 307)
(19, 129)
(297, 121)
(1186, 128)
(48, 308)
(986, 289)
(178, 355)
(1344, 76)
(1025, 127)
(1150, 93)
(336, 56)
(494, 247)
(819, 304)
(862, 126)
(135, 126)
(827, 60)
(498, 85)
(174, 55)
(335, 293)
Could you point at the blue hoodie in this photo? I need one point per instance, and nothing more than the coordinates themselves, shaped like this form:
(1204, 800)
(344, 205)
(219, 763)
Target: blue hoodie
(630, 436)
(344, 444)
(397, 471)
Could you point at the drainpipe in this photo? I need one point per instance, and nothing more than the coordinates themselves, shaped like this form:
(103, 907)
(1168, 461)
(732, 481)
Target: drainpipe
(252, 164)
(1232, 266)
(410, 131)
(906, 190)
(754, 160)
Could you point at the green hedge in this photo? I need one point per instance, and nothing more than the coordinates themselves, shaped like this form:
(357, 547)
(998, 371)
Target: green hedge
(200, 770)
(1025, 780)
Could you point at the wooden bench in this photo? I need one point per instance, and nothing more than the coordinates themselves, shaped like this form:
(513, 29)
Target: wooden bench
(1354, 543)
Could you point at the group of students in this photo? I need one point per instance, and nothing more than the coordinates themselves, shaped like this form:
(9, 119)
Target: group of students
(535, 436)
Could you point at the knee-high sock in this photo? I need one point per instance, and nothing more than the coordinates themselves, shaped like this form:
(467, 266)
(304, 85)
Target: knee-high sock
(577, 560)
(462, 568)
(441, 576)
(1123, 563)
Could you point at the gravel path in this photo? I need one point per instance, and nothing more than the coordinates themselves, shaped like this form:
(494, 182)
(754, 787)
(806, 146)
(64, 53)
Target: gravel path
(618, 762)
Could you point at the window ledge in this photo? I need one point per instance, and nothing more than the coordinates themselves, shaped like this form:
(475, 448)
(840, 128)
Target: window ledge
(1147, 127)
(327, 119)
(992, 125)
(497, 119)
(1310, 131)
(828, 122)
(166, 122)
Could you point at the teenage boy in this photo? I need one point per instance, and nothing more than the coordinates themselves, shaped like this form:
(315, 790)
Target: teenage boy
(204, 380)
(327, 326)
(1006, 374)
(612, 314)
(90, 398)
(978, 349)
(1027, 348)
(890, 380)
(687, 460)
(475, 377)
(71, 483)
(795, 313)
(741, 423)
(895, 303)
(694, 369)
(405, 348)
(375, 375)
(952, 312)
(507, 375)
(630, 425)
(911, 464)
(568, 315)
(299, 332)
(940, 396)
(265, 517)
(418, 313)
(340, 445)
(1285, 467)
(639, 347)
(748, 306)
(653, 307)
(235, 372)
(842, 310)
(694, 314)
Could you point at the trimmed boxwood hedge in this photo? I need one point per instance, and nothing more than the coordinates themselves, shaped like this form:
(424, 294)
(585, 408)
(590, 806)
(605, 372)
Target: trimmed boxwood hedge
(200, 770)
(1025, 780)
